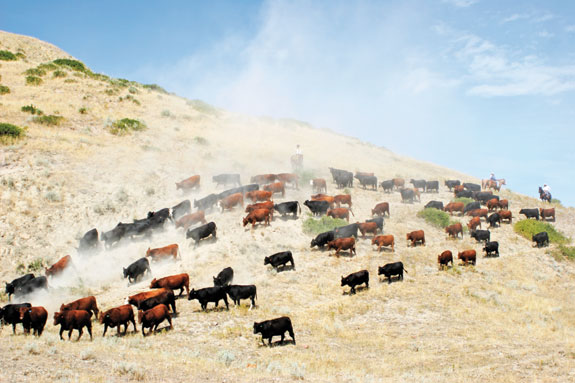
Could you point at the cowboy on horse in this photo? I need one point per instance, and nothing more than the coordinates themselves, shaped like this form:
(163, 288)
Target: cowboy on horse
(297, 159)
(492, 183)
(545, 193)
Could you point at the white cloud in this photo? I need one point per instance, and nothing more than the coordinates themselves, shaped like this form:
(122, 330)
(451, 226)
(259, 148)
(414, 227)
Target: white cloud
(533, 17)
(570, 28)
(461, 3)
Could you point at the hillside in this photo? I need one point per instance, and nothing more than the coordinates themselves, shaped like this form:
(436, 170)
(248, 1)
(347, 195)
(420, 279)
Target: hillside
(506, 319)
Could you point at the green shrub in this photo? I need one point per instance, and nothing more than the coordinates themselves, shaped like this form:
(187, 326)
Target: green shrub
(36, 265)
(72, 64)
(33, 80)
(48, 67)
(204, 107)
(35, 72)
(50, 120)
(564, 252)
(435, 217)
(7, 56)
(201, 141)
(325, 223)
(465, 200)
(59, 74)
(556, 201)
(133, 90)
(529, 227)
(4, 89)
(31, 109)
(125, 126)
(155, 87)
(166, 113)
(10, 130)
(83, 111)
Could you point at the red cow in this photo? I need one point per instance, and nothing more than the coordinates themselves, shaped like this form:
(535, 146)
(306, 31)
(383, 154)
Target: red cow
(73, 320)
(59, 267)
(416, 194)
(261, 205)
(323, 197)
(137, 299)
(153, 317)
(340, 244)
(454, 206)
(506, 214)
(189, 183)
(493, 204)
(258, 215)
(289, 178)
(547, 213)
(189, 219)
(416, 236)
(380, 209)
(467, 256)
(444, 258)
(259, 195)
(173, 282)
(319, 185)
(276, 187)
(116, 317)
(341, 212)
(398, 183)
(478, 213)
(504, 204)
(263, 178)
(342, 198)
(383, 240)
(454, 230)
(162, 253)
(473, 223)
(367, 227)
(33, 318)
(231, 201)
(87, 304)
(458, 188)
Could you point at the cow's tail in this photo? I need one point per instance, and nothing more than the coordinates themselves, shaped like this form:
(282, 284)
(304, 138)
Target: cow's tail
(406, 270)
(351, 211)
(299, 207)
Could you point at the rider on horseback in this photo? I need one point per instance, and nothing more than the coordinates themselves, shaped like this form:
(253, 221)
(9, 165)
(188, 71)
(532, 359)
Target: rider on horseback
(492, 177)
(547, 191)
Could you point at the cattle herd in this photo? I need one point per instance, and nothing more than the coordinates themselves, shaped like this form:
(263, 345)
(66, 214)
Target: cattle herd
(159, 304)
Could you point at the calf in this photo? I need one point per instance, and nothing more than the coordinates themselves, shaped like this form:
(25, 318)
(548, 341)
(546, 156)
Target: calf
(481, 235)
(454, 230)
(290, 207)
(161, 253)
(322, 239)
(225, 277)
(367, 180)
(263, 178)
(418, 184)
(173, 282)
(11, 287)
(378, 221)
(258, 215)
(280, 259)
(165, 298)
(342, 199)
(434, 205)
(547, 213)
(190, 219)
(87, 304)
(530, 213)
(473, 223)
(541, 239)
(239, 292)
(367, 227)
(317, 207)
(415, 237)
(209, 294)
(398, 183)
(207, 202)
(58, 267)
(464, 194)
(153, 317)
(347, 231)
(467, 256)
(137, 269)
(490, 248)
(10, 314)
(274, 327)
(202, 232)
(454, 206)
(355, 279)
(73, 320)
(189, 183)
(506, 214)
(33, 318)
(340, 244)
(116, 317)
(391, 269)
(289, 178)
(504, 204)
(319, 185)
(494, 220)
(261, 205)
(380, 209)
(275, 188)
(471, 186)
(341, 213)
(181, 209)
(444, 258)
(383, 240)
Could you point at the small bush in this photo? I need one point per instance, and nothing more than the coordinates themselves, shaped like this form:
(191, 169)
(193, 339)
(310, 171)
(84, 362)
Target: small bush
(7, 56)
(529, 227)
(204, 107)
(465, 200)
(325, 223)
(33, 80)
(49, 120)
(47, 67)
(166, 113)
(31, 109)
(4, 89)
(133, 90)
(10, 130)
(36, 265)
(434, 217)
(53, 196)
(83, 111)
(155, 87)
(201, 141)
(126, 125)
(72, 64)
(59, 74)
(35, 72)
(556, 201)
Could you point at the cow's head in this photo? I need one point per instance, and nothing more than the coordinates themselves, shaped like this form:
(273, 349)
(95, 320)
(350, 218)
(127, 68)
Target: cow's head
(313, 243)
(154, 283)
(257, 327)
(217, 281)
(193, 294)
(245, 221)
(58, 318)
(380, 270)
(102, 317)
(9, 288)
(125, 273)
(22, 312)
(266, 260)
(343, 281)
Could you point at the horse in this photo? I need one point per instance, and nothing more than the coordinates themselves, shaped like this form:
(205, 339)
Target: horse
(490, 184)
(543, 196)
(296, 162)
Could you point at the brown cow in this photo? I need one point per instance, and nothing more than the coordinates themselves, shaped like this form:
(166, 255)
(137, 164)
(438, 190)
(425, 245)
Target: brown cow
(263, 179)
(162, 253)
(73, 320)
(342, 198)
(367, 227)
(454, 206)
(33, 318)
(380, 209)
(189, 183)
(259, 195)
(276, 187)
(231, 201)
(342, 244)
(458, 188)
(506, 214)
(262, 205)
(384, 240)
(467, 256)
(173, 282)
(493, 204)
(444, 258)
(87, 304)
(478, 213)
(59, 267)
(504, 204)
(416, 236)
(153, 317)
(454, 230)
(473, 223)
(290, 178)
(116, 317)
(258, 215)
(547, 213)
(341, 212)
(137, 299)
(319, 185)
(323, 197)
(189, 219)
(398, 183)
(416, 194)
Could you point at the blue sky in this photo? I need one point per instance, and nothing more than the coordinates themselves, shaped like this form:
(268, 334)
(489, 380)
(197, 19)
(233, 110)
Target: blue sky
(474, 85)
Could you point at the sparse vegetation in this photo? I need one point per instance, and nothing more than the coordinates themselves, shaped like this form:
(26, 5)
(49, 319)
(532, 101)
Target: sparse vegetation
(563, 252)
(35, 72)
(325, 223)
(83, 110)
(166, 113)
(10, 130)
(49, 120)
(556, 201)
(435, 217)
(201, 141)
(72, 64)
(133, 90)
(465, 200)
(53, 196)
(126, 126)
(529, 227)
(204, 107)
(32, 110)
(59, 74)
(8, 56)
(36, 265)
(155, 87)
(4, 89)
(33, 80)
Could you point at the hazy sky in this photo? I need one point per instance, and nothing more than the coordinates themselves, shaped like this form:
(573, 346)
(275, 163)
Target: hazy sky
(474, 85)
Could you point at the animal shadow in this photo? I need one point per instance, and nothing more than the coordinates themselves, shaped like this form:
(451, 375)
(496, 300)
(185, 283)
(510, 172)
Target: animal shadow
(357, 290)
(285, 268)
(279, 343)
(394, 279)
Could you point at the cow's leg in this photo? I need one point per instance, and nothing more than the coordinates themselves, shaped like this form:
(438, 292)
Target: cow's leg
(61, 332)
(170, 322)
(89, 327)
(80, 332)
(105, 329)
(226, 302)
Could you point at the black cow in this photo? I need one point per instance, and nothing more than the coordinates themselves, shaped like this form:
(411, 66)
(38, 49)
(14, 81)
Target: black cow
(530, 213)
(367, 181)
(280, 259)
(483, 196)
(206, 203)
(158, 218)
(10, 314)
(541, 239)
(481, 235)
(452, 183)
(378, 221)
(419, 184)
(273, 327)
(317, 207)
(89, 241)
(288, 207)
(115, 235)
(342, 178)
(239, 292)
(391, 269)
(471, 187)
(464, 194)
(322, 239)
(491, 247)
(407, 195)
(347, 231)
(472, 206)
(31, 285)
(201, 232)
(432, 185)
(229, 192)
(181, 209)
(494, 220)
(209, 294)
(12, 286)
(355, 279)
(387, 186)
(435, 205)
(250, 187)
(137, 269)
(227, 179)
(166, 298)
(224, 277)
